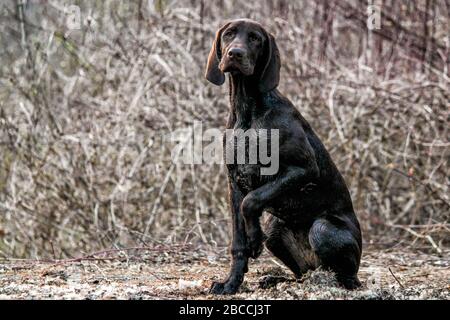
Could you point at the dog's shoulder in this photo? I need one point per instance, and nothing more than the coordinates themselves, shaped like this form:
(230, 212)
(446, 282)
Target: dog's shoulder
(281, 114)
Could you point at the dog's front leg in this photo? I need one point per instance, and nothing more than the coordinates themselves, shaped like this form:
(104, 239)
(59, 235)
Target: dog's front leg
(254, 202)
(239, 252)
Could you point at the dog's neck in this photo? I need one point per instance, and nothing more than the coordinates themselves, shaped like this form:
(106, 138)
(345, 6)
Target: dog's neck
(244, 99)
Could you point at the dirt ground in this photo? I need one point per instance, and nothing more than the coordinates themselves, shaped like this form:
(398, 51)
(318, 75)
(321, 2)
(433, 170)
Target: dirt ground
(187, 274)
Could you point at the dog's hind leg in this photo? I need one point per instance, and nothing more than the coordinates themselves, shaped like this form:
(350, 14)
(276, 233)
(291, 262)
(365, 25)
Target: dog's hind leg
(337, 243)
(290, 246)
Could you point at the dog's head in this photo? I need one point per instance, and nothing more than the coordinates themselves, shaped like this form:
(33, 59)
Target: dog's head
(244, 47)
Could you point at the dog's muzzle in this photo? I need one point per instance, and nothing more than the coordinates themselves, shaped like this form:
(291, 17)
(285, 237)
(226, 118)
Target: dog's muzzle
(236, 60)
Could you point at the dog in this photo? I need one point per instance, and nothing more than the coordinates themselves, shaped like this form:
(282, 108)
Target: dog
(311, 221)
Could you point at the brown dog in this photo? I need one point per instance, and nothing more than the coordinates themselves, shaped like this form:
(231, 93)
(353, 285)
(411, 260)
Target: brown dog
(312, 221)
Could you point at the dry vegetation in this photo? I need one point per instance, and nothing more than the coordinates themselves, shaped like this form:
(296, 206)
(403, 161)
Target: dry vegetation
(187, 272)
(84, 118)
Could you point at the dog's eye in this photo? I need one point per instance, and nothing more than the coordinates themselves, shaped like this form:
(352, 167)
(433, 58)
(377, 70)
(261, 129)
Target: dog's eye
(253, 37)
(229, 33)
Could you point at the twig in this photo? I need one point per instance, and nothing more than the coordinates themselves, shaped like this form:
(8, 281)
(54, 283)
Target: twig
(423, 184)
(418, 235)
(23, 39)
(396, 279)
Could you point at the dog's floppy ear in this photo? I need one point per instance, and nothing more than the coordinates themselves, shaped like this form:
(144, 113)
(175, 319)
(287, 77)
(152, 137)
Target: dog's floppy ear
(270, 75)
(213, 73)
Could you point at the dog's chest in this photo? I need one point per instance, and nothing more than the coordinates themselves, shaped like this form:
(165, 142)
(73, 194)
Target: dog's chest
(246, 176)
(243, 156)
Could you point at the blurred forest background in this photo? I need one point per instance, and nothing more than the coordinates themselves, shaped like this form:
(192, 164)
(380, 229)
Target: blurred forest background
(84, 111)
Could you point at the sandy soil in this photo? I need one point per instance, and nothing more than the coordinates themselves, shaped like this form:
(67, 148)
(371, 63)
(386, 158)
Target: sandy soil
(187, 274)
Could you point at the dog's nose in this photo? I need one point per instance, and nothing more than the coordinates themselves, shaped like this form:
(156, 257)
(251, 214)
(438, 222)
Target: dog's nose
(236, 53)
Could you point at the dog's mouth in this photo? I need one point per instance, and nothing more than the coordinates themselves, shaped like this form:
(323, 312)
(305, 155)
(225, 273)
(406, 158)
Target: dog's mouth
(234, 67)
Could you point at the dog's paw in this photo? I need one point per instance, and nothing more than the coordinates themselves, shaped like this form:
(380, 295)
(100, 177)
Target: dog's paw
(255, 248)
(255, 242)
(350, 283)
(223, 288)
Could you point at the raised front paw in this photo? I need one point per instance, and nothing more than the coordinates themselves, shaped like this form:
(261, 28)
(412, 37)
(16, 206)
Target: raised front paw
(255, 242)
(226, 287)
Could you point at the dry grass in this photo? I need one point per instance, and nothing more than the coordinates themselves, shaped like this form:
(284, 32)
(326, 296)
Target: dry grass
(83, 116)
